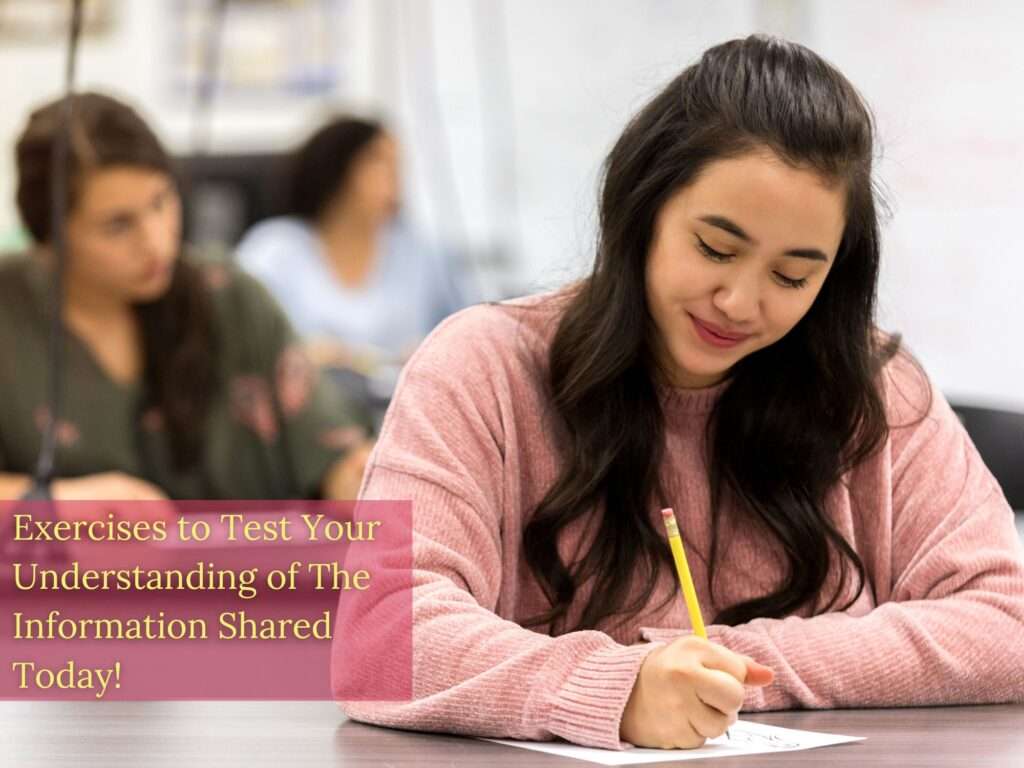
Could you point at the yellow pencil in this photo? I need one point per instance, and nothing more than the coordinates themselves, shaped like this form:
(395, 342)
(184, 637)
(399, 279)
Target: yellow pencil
(675, 541)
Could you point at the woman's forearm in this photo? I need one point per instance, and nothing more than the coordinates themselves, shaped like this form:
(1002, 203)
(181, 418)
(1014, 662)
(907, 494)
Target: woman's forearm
(13, 486)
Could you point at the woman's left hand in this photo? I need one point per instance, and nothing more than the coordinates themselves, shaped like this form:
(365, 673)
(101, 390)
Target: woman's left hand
(344, 477)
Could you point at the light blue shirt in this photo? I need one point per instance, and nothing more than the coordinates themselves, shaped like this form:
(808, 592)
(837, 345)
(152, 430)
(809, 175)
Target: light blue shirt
(409, 290)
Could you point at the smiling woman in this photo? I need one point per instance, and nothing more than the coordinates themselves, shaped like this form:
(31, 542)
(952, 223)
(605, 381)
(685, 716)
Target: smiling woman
(722, 359)
(725, 277)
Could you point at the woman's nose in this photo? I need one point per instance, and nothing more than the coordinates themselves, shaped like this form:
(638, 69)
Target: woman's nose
(153, 233)
(739, 298)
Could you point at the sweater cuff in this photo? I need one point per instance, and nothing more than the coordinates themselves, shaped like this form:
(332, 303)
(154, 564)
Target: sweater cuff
(589, 705)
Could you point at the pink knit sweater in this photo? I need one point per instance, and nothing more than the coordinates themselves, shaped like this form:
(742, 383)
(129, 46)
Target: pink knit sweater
(468, 439)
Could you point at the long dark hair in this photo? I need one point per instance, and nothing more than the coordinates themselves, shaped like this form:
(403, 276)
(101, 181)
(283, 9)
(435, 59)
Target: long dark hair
(320, 168)
(793, 417)
(177, 329)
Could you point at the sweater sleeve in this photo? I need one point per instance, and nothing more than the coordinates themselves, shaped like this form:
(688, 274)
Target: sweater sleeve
(442, 446)
(949, 625)
(316, 423)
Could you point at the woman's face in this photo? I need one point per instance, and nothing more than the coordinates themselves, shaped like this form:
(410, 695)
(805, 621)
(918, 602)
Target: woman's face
(373, 186)
(737, 258)
(124, 234)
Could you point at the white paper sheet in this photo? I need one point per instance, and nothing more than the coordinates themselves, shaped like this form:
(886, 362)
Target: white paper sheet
(746, 738)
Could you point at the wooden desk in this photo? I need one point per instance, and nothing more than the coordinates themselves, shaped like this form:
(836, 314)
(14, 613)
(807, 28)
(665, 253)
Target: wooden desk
(250, 734)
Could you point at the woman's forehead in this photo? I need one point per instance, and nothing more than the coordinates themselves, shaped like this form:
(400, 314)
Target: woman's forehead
(119, 188)
(769, 199)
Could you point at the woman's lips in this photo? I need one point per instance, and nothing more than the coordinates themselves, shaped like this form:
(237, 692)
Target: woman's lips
(715, 336)
(156, 270)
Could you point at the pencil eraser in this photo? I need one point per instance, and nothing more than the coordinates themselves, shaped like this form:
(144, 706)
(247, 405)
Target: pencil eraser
(667, 513)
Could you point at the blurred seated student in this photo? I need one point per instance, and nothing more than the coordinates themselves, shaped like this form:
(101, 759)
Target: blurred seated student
(183, 378)
(355, 280)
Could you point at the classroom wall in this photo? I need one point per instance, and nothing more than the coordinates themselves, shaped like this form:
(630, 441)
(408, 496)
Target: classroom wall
(506, 109)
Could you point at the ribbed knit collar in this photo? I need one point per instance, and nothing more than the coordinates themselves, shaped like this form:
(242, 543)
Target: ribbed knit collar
(677, 400)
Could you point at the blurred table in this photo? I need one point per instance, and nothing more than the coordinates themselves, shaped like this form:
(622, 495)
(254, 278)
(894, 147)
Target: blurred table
(35, 734)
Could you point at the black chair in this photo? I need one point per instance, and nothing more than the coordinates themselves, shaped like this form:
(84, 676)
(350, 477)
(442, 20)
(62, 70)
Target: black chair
(999, 437)
(224, 195)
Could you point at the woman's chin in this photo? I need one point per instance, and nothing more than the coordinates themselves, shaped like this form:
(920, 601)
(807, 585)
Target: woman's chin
(143, 294)
(697, 377)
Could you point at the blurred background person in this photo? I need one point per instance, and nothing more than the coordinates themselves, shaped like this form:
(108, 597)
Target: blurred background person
(357, 282)
(183, 377)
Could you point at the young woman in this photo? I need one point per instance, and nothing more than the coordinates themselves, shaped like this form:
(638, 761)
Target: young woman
(183, 378)
(721, 359)
(357, 283)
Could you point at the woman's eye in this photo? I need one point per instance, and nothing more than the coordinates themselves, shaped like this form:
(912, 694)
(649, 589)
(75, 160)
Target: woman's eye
(117, 227)
(711, 253)
(790, 282)
(718, 256)
(162, 200)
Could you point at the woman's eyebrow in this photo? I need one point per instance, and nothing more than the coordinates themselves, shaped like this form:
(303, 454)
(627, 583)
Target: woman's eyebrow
(117, 217)
(127, 215)
(728, 225)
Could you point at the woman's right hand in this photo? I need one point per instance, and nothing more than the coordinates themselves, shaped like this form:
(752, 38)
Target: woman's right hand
(106, 486)
(115, 488)
(688, 692)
